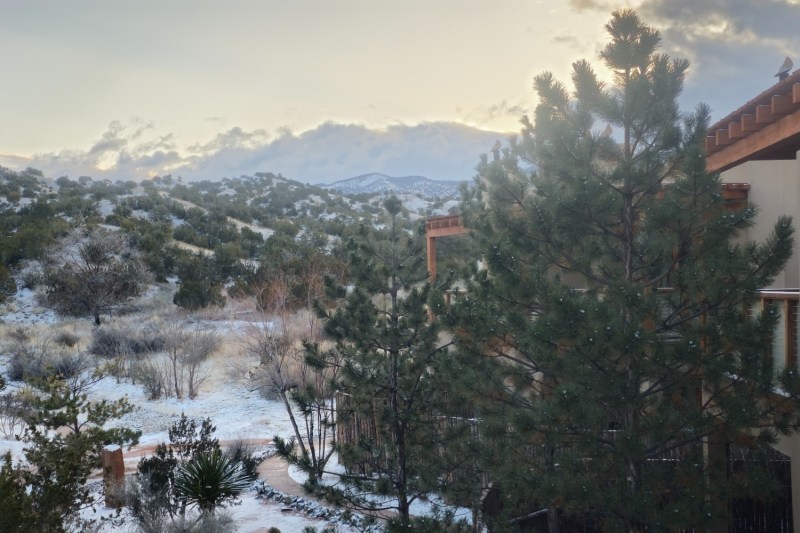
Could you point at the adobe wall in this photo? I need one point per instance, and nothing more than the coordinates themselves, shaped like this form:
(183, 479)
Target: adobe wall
(775, 191)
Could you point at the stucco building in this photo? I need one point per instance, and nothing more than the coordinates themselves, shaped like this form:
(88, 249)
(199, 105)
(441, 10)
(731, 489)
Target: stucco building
(755, 148)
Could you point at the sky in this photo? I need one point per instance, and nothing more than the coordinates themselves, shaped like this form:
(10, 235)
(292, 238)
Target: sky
(321, 90)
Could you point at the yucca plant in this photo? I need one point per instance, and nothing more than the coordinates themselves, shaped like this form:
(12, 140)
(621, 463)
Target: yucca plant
(210, 480)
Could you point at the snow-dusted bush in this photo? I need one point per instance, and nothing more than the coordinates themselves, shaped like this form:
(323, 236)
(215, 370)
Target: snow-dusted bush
(66, 338)
(30, 276)
(92, 271)
(13, 408)
(150, 377)
(150, 517)
(186, 347)
(125, 341)
(242, 453)
(172, 365)
(19, 335)
(41, 359)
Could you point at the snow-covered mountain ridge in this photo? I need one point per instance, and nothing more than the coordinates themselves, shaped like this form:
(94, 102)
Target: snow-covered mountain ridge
(380, 183)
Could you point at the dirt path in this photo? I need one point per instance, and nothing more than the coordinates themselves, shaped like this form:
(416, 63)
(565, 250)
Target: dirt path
(275, 471)
(132, 457)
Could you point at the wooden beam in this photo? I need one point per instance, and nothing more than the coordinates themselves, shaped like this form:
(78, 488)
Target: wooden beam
(756, 142)
(749, 123)
(441, 226)
(711, 144)
(722, 138)
(764, 114)
(782, 104)
(735, 130)
(447, 231)
(796, 93)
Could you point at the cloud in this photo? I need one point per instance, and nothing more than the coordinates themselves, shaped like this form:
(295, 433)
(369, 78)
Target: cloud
(735, 46)
(571, 41)
(701, 29)
(733, 21)
(329, 152)
(485, 114)
(332, 151)
(597, 5)
(14, 161)
(232, 139)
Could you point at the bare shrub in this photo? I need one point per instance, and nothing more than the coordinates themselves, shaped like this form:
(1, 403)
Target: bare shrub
(19, 335)
(241, 452)
(66, 338)
(199, 347)
(125, 346)
(177, 369)
(30, 276)
(151, 517)
(120, 341)
(42, 359)
(109, 342)
(185, 348)
(68, 365)
(151, 378)
(277, 343)
(13, 409)
(275, 346)
(38, 353)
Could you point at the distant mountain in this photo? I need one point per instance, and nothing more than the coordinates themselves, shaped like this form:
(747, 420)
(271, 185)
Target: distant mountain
(381, 183)
(331, 151)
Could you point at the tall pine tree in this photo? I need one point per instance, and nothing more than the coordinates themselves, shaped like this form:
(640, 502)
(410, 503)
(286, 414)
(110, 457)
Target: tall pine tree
(615, 306)
(389, 349)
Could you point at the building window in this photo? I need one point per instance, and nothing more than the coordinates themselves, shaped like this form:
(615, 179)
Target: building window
(784, 338)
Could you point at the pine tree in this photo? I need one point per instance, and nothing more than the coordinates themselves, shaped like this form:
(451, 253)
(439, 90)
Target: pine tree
(614, 309)
(390, 355)
(59, 463)
(92, 271)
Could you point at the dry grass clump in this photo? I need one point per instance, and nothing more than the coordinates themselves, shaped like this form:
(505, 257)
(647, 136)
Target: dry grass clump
(126, 340)
(34, 359)
(272, 356)
(68, 339)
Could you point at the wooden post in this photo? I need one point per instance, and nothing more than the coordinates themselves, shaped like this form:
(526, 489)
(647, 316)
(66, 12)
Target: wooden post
(431, 258)
(441, 226)
(113, 475)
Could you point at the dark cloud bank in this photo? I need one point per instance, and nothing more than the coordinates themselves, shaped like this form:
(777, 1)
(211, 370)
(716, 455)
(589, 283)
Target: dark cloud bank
(735, 46)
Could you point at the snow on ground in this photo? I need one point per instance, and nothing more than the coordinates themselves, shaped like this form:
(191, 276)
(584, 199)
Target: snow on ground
(23, 309)
(235, 408)
(253, 514)
(414, 204)
(265, 232)
(256, 516)
(236, 411)
(192, 248)
(446, 207)
(105, 207)
(430, 507)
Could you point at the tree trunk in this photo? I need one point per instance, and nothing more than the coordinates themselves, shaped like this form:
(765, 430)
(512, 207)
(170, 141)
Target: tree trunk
(285, 397)
(175, 376)
(552, 520)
